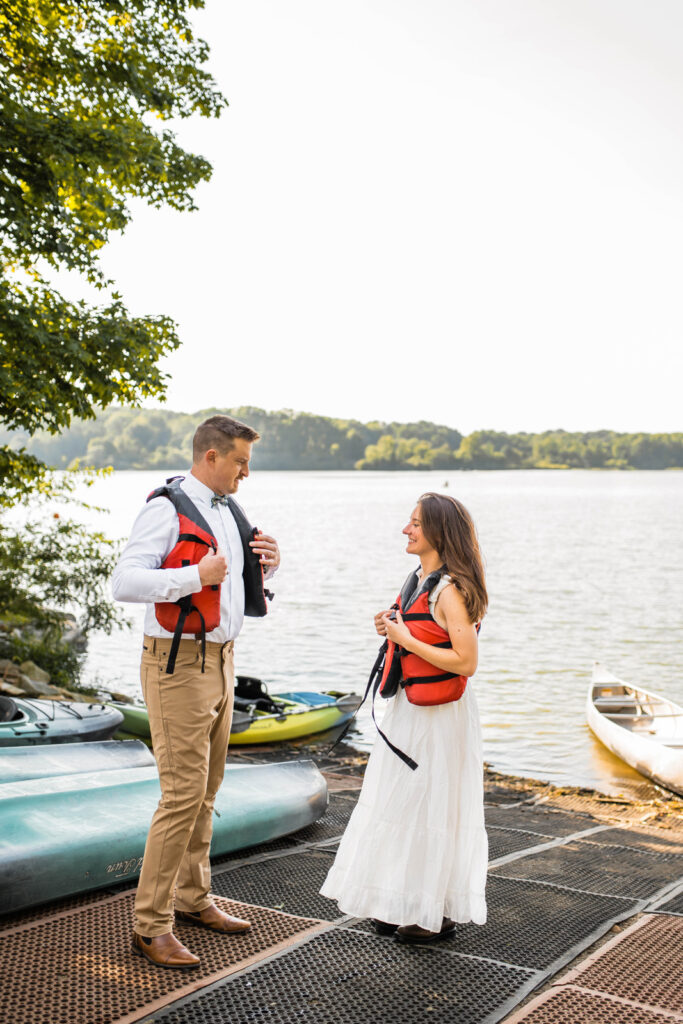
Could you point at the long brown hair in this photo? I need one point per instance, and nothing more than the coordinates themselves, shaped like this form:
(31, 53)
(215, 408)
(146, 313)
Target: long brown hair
(448, 527)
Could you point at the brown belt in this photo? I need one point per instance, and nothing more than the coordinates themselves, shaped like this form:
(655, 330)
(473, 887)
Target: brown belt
(159, 644)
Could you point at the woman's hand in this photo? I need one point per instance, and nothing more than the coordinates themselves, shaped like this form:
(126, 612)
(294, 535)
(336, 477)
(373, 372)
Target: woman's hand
(396, 630)
(379, 621)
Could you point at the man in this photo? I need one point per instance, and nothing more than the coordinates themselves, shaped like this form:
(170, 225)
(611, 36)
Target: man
(195, 561)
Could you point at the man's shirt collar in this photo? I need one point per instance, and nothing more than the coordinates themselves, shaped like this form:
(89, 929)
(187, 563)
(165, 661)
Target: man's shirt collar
(196, 489)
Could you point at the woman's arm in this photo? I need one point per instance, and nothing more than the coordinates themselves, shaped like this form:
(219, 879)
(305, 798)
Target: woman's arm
(461, 659)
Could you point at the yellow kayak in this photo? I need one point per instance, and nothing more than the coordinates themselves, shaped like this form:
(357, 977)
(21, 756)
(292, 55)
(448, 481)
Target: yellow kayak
(262, 718)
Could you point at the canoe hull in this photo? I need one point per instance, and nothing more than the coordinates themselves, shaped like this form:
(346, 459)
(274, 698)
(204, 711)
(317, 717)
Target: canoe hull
(67, 835)
(21, 763)
(653, 759)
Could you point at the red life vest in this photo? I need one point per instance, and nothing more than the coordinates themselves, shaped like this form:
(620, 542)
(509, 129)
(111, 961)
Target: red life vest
(199, 614)
(394, 667)
(424, 684)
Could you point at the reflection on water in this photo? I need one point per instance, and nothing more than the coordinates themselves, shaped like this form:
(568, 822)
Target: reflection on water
(582, 566)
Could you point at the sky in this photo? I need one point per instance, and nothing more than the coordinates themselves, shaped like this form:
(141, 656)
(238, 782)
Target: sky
(465, 211)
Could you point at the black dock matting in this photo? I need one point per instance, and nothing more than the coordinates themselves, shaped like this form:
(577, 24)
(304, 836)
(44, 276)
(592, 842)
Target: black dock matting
(345, 977)
(531, 925)
(289, 884)
(333, 822)
(672, 906)
(504, 840)
(555, 824)
(602, 869)
(658, 844)
(261, 850)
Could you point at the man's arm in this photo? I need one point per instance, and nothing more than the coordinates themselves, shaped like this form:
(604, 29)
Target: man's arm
(138, 576)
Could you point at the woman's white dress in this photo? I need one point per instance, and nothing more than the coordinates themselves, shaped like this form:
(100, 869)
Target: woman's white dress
(415, 848)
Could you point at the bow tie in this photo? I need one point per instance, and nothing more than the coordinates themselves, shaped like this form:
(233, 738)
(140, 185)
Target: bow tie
(219, 499)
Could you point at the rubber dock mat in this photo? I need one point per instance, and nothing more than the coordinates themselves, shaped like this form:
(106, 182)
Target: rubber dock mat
(635, 977)
(560, 879)
(604, 870)
(76, 967)
(349, 978)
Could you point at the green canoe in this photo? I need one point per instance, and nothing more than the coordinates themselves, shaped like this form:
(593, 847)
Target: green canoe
(70, 833)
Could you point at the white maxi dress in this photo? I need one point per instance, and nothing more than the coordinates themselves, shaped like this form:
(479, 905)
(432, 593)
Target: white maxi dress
(415, 848)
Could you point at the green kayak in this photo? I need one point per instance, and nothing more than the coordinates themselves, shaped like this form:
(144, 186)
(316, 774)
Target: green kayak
(28, 721)
(70, 833)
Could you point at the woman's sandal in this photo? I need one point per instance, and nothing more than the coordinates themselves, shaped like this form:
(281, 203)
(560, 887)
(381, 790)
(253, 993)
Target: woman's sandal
(416, 936)
(381, 927)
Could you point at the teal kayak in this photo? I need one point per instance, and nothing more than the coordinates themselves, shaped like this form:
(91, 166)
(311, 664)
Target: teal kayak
(71, 833)
(38, 722)
(20, 763)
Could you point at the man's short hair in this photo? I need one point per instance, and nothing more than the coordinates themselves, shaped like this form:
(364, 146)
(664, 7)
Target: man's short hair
(220, 432)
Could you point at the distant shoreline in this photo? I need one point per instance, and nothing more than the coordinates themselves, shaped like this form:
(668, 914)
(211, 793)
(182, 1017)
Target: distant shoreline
(143, 439)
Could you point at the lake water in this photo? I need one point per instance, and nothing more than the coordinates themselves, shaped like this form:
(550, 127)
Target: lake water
(581, 566)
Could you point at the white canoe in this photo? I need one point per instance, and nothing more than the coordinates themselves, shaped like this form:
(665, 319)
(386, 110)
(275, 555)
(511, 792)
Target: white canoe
(642, 728)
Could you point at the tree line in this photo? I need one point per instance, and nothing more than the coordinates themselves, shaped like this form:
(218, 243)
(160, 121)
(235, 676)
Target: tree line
(126, 438)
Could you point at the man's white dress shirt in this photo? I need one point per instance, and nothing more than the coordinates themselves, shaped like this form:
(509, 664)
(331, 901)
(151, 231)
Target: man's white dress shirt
(139, 578)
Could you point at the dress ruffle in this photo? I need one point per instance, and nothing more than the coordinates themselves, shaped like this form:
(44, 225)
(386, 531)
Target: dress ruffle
(415, 849)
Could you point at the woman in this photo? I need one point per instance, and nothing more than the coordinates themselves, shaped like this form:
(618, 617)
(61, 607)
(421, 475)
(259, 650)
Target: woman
(414, 855)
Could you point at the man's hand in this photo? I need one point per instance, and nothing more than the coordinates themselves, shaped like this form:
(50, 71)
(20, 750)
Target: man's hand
(267, 550)
(213, 568)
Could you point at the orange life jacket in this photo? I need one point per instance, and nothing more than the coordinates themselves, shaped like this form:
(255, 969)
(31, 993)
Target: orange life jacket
(199, 614)
(424, 684)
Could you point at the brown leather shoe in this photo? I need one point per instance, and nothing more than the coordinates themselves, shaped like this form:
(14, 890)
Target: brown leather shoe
(164, 951)
(215, 919)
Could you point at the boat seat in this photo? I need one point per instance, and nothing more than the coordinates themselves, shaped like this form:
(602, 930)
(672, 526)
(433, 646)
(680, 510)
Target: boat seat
(250, 688)
(630, 702)
(649, 715)
(9, 711)
(251, 694)
(266, 704)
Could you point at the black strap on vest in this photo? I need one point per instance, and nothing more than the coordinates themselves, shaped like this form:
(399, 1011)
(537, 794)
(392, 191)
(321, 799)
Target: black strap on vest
(409, 594)
(374, 680)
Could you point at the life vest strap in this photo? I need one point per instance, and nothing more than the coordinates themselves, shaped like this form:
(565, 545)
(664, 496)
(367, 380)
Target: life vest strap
(193, 537)
(442, 678)
(373, 683)
(186, 607)
(417, 617)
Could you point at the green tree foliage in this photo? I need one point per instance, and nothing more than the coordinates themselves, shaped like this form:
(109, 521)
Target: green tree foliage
(49, 564)
(85, 89)
(161, 439)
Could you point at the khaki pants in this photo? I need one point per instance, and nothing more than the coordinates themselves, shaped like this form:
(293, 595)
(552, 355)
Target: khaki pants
(190, 714)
